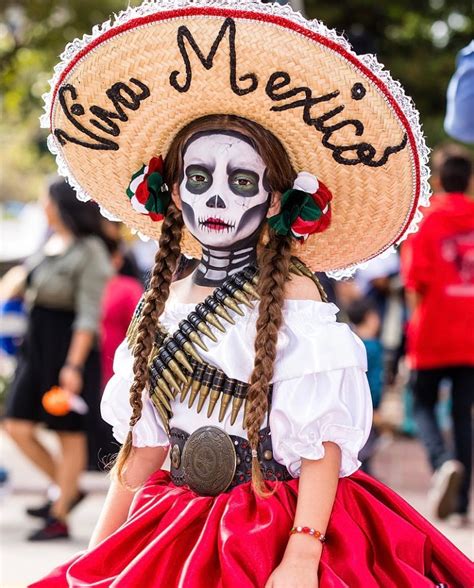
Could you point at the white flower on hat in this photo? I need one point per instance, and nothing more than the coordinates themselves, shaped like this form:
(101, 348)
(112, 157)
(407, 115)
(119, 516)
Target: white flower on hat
(306, 182)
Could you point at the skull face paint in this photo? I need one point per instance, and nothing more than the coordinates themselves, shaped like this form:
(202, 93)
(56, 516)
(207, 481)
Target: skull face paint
(223, 196)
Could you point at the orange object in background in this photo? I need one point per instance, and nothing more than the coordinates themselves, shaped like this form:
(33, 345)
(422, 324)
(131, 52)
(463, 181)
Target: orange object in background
(60, 402)
(56, 401)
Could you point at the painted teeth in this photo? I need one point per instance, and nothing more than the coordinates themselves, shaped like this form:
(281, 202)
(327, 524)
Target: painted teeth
(224, 225)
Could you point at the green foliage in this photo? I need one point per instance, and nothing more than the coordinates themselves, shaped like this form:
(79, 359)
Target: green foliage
(417, 41)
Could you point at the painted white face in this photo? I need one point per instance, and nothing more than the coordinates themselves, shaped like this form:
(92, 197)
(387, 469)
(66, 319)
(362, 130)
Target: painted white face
(222, 192)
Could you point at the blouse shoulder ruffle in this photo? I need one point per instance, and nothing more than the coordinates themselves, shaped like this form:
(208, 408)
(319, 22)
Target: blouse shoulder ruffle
(116, 410)
(320, 391)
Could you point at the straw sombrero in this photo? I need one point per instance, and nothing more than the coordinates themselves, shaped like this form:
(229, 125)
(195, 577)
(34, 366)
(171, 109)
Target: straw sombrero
(119, 96)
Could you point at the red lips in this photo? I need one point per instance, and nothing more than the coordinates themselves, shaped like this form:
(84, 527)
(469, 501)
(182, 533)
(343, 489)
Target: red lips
(216, 224)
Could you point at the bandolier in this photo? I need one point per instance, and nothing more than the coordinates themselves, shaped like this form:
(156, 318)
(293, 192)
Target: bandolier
(175, 364)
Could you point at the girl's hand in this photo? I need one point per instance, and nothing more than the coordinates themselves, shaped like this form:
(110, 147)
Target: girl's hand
(299, 566)
(295, 572)
(70, 379)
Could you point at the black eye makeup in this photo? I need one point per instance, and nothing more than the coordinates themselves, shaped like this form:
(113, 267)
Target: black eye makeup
(198, 179)
(244, 182)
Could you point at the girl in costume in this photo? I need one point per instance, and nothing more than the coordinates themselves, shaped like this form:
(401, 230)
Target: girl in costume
(258, 142)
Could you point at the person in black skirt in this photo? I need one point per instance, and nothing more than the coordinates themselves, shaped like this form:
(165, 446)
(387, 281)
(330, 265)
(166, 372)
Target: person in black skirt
(63, 290)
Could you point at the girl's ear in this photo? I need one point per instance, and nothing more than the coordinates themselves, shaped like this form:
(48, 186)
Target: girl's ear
(175, 196)
(275, 204)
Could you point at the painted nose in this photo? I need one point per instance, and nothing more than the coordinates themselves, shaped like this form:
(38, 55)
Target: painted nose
(215, 202)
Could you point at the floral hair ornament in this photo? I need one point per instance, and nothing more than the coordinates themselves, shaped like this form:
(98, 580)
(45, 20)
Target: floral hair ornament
(148, 191)
(305, 209)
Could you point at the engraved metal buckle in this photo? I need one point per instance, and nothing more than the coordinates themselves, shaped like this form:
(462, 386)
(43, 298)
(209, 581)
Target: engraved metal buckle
(209, 461)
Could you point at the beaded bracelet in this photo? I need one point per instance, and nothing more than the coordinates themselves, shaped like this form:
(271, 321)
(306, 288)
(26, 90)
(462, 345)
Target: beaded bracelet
(309, 531)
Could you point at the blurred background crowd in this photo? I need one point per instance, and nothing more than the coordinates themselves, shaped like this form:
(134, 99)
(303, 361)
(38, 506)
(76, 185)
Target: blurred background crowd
(70, 279)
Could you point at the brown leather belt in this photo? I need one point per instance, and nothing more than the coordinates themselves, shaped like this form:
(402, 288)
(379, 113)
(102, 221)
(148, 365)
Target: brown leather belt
(210, 461)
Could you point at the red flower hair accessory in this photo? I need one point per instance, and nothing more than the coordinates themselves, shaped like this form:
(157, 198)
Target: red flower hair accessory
(148, 191)
(305, 209)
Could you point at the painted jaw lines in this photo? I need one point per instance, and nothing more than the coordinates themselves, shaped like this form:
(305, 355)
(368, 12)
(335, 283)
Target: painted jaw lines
(223, 197)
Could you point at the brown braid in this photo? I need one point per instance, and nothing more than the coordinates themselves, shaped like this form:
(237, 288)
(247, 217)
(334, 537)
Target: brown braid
(156, 296)
(274, 270)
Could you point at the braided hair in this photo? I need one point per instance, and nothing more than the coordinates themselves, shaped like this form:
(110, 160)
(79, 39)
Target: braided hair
(166, 260)
(274, 261)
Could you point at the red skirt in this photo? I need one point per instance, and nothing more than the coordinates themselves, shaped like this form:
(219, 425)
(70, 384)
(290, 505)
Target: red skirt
(175, 538)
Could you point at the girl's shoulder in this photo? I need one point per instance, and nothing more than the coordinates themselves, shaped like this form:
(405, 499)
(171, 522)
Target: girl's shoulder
(302, 288)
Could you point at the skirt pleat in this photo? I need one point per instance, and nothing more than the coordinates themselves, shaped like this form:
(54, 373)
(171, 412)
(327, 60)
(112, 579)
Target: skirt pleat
(176, 539)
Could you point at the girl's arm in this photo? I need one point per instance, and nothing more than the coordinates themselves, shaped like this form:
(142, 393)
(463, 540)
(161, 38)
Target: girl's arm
(316, 493)
(142, 462)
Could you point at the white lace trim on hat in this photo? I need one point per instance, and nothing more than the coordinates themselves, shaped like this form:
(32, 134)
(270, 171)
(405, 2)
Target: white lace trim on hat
(256, 6)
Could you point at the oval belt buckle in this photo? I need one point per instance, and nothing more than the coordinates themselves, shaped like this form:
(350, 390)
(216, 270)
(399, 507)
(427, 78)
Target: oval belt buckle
(209, 461)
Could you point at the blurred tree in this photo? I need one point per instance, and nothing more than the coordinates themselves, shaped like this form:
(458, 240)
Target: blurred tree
(417, 41)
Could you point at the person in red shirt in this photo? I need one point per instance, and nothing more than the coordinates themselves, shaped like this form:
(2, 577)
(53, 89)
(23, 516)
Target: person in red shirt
(438, 269)
(119, 301)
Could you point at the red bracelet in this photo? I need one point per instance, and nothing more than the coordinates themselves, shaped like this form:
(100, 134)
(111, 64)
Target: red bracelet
(309, 531)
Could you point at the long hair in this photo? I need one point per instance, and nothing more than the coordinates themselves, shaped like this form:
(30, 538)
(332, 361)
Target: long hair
(83, 219)
(273, 260)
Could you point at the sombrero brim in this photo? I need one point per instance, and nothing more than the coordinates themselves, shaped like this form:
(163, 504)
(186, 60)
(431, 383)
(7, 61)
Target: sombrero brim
(120, 95)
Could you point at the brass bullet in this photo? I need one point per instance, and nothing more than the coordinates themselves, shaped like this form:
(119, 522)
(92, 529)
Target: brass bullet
(240, 297)
(189, 332)
(196, 383)
(205, 330)
(247, 287)
(295, 270)
(185, 390)
(232, 286)
(162, 398)
(162, 413)
(207, 382)
(225, 401)
(214, 397)
(213, 305)
(192, 352)
(171, 346)
(212, 320)
(198, 323)
(222, 312)
(195, 338)
(168, 376)
(161, 383)
(236, 404)
(181, 357)
(174, 367)
(251, 274)
(203, 394)
(232, 305)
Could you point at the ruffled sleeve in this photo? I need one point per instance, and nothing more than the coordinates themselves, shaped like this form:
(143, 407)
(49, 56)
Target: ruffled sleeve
(116, 409)
(329, 401)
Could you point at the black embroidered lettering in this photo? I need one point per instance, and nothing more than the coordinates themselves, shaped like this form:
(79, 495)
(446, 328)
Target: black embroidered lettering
(365, 153)
(122, 97)
(207, 62)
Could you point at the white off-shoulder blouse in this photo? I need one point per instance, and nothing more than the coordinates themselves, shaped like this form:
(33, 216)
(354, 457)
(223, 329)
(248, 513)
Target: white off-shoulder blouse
(320, 390)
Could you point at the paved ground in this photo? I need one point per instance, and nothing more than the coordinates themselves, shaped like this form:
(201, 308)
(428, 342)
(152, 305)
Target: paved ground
(400, 464)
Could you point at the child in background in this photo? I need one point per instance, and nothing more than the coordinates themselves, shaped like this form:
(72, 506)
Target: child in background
(365, 322)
